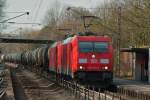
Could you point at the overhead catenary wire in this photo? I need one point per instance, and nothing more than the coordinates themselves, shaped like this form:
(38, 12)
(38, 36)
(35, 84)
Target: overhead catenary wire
(37, 11)
(36, 2)
(23, 23)
(15, 11)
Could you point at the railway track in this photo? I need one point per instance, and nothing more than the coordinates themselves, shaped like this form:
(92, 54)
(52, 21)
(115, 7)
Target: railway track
(3, 84)
(121, 93)
(82, 92)
(39, 87)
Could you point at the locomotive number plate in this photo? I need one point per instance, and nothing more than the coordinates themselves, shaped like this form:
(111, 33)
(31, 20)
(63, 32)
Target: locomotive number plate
(93, 60)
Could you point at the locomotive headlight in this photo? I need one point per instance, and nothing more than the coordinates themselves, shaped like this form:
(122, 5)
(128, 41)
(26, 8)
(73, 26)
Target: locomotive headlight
(81, 67)
(106, 67)
(81, 60)
(104, 61)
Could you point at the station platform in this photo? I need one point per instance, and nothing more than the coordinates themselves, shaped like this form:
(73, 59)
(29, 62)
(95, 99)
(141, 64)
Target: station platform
(132, 85)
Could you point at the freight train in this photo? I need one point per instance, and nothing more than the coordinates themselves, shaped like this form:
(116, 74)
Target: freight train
(81, 58)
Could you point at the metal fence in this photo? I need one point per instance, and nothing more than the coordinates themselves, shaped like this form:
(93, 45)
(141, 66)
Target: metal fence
(133, 94)
(79, 92)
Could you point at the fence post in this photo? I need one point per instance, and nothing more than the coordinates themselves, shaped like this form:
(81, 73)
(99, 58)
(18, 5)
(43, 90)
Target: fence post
(79, 93)
(63, 83)
(93, 92)
(137, 95)
(145, 97)
(120, 97)
(148, 97)
(113, 97)
(69, 90)
(105, 94)
(88, 92)
(76, 89)
(85, 93)
(99, 94)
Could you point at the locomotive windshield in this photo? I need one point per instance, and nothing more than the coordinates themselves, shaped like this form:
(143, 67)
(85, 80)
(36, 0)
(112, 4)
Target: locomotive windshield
(85, 46)
(100, 46)
(93, 47)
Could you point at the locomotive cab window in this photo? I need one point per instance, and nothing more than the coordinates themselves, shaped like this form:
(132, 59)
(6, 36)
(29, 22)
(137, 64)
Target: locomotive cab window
(93, 47)
(85, 46)
(100, 47)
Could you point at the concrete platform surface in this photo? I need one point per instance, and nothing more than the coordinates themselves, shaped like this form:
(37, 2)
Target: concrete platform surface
(137, 86)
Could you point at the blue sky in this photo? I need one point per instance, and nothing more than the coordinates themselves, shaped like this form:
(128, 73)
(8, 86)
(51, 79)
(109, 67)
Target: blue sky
(38, 8)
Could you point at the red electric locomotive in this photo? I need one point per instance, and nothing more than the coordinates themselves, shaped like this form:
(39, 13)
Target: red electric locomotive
(84, 58)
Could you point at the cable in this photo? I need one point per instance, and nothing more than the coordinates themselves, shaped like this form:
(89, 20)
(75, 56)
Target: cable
(14, 17)
(14, 12)
(23, 23)
(38, 9)
(36, 2)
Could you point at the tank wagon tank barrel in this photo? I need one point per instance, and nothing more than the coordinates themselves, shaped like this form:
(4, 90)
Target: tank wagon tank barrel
(38, 56)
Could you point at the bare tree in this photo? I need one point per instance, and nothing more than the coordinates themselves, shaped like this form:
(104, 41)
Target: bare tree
(54, 14)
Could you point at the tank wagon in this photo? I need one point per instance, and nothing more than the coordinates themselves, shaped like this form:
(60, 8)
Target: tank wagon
(38, 57)
(82, 58)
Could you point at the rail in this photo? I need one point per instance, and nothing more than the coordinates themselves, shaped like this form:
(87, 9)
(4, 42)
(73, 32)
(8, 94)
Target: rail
(1, 81)
(3, 85)
(2, 92)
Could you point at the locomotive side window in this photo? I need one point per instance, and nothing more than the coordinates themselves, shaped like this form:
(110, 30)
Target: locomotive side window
(100, 47)
(85, 46)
